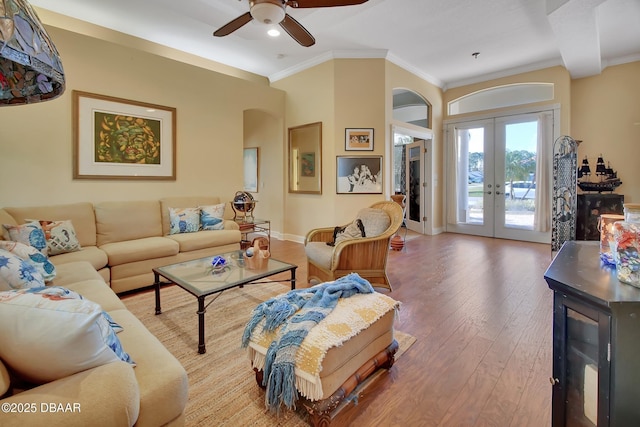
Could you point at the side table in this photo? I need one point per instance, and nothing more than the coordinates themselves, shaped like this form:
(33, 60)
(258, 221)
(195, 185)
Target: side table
(253, 225)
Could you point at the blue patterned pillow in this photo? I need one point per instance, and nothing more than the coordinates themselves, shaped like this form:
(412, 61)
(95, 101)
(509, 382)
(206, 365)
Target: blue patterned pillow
(184, 220)
(211, 217)
(30, 234)
(16, 273)
(33, 256)
(60, 322)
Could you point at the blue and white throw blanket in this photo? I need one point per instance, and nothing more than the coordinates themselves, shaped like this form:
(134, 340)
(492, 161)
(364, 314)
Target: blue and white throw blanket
(298, 310)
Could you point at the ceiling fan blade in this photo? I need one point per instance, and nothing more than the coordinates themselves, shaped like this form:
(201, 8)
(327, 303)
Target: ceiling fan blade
(300, 4)
(230, 27)
(297, 31)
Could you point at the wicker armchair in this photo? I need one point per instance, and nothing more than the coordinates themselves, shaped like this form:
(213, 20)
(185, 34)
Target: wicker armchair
(366, 256)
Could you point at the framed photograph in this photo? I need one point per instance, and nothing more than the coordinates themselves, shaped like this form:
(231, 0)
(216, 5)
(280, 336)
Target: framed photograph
(359, 174)
(122, 139)
(358, 139)
(251, 169)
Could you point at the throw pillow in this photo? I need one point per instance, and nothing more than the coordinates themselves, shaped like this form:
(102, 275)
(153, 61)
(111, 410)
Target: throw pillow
(52, 320)
(16, 273)
(184, 220)
(211, 217)
(33, 256)
(376, 221)
(30, 234)
(355, 230)
(61, 236)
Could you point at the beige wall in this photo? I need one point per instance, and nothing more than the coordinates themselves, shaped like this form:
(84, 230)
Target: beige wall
(36, 140)
(344, 93)
(309, 99)
(265, 131)
(605, 115)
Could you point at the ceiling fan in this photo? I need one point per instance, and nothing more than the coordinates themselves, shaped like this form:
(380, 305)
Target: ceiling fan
(273, 12)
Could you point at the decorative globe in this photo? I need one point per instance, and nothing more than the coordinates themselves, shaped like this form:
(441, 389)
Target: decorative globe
(243, 202)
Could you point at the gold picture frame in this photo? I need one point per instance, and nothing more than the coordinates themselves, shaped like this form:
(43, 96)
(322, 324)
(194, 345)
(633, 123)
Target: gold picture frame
(117, 138)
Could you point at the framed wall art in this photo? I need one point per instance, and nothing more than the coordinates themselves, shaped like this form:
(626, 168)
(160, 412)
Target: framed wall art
(251, 158)
(358, 139)
(359, 174)
(305, 158)
(117, 138)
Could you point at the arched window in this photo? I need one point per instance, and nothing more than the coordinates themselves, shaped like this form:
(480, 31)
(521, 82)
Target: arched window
(410, 107)
(501, 96)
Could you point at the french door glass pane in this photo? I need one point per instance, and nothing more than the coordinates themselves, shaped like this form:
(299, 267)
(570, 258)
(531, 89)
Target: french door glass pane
(472, 155)
(520, 174)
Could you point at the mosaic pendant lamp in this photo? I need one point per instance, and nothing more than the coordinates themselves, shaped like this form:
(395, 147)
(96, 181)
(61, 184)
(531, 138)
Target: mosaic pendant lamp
(30, 67)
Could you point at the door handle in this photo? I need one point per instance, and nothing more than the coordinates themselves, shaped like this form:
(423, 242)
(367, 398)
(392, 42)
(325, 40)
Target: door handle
(489, 192)
(498, 193)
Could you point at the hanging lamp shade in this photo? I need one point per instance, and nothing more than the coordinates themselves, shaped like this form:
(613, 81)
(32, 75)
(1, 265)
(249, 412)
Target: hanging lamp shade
(30, 67)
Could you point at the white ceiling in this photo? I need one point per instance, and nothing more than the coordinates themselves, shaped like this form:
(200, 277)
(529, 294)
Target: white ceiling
(432, 38)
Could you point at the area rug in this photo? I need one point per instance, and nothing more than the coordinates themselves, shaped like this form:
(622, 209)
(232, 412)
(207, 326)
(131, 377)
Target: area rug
(222, 385)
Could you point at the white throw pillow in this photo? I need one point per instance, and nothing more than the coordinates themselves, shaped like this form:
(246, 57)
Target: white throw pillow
(61, 236)
(184, 220)
(211, 217)
(16, 273)
(51, 333)
(33, 256)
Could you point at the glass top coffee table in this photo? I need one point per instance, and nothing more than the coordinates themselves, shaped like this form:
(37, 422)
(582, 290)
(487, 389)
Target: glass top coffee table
(199, 279)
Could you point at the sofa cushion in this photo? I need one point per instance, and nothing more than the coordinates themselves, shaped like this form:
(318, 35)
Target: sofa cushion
(55, 321)
(80, 214)
(205, 239)
(33, 256)
(124, 221)
(184, 220)
(5, 218)
(30, 234)
(17, 273)
(5, 380)
(212, 217)
(61, 236)
(91, 254)
(139, 250)
(161, 378)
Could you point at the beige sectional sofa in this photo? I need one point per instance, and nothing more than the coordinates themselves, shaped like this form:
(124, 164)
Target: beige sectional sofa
(124, 241)
(120, 244)
(153, 393)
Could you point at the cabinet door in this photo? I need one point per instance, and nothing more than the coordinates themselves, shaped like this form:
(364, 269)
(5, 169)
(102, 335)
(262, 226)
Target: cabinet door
(580, 364)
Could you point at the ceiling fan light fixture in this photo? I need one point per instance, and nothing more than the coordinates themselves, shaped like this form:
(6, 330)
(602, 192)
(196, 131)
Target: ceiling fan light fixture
(267, 13)
(273, 32)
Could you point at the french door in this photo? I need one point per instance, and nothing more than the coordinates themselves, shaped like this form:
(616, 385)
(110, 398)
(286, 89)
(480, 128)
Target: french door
(498, 177)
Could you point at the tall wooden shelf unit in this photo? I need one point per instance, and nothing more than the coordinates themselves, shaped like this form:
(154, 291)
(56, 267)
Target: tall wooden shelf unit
(596, 341)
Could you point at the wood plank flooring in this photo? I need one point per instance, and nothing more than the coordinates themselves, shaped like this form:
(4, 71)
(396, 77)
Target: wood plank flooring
(482, 315)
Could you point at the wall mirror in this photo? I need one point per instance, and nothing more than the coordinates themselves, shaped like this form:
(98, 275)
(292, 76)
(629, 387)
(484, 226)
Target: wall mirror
(305, 159)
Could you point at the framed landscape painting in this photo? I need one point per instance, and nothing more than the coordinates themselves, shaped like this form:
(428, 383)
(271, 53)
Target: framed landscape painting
(359, 174)
(122, 139)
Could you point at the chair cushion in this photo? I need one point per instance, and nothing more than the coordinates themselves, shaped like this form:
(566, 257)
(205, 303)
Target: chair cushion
(319, 253)
(375, 221)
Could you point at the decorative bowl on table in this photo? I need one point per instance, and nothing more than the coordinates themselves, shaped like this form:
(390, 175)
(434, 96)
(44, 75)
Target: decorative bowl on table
(218, 264)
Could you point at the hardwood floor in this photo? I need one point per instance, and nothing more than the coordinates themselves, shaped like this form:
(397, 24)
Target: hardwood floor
(482, 315)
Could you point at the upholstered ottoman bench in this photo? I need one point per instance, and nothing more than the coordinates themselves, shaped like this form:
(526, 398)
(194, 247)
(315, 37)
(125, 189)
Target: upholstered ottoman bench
(342, 351)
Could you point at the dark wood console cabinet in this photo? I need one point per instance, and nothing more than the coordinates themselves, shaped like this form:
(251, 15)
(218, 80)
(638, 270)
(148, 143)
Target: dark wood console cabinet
(596, 341)
(590, 207)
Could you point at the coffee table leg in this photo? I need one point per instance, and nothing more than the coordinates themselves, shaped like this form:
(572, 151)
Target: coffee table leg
(156, 284)
(293, 278)
(201, 310)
